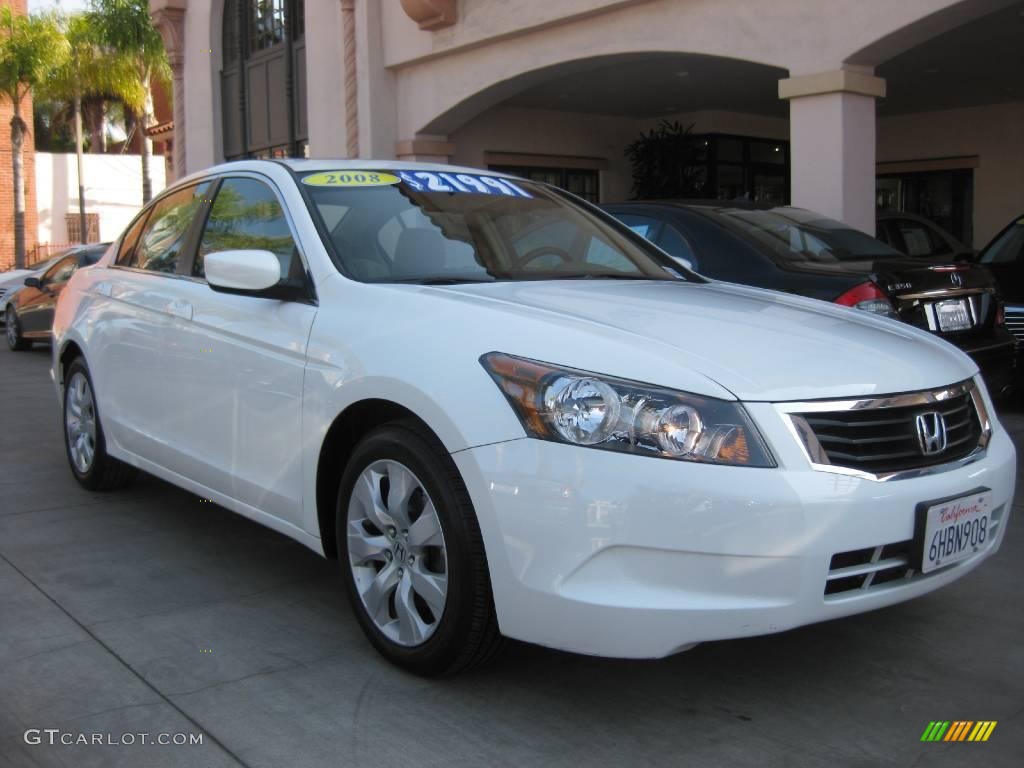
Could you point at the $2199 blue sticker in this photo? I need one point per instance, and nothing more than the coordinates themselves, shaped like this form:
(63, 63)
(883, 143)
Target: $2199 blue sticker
(431, 181)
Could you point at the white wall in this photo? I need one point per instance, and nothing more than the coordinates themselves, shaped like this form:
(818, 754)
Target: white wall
(113, 189)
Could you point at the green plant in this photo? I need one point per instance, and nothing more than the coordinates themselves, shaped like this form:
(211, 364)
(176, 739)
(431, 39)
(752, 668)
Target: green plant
(665, 163)
(30, 48)
(125, 27)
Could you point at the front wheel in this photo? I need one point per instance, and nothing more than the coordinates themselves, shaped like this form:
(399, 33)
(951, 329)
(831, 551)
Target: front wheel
(86, 446)
(411, 554)
(15, 340)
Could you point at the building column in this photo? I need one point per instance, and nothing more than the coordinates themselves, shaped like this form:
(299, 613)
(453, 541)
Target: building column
(425, 149)
(169, 19)
(832, 143)
(327, 49)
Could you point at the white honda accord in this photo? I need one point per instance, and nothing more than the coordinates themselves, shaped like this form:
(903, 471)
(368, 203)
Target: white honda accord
(505, 414)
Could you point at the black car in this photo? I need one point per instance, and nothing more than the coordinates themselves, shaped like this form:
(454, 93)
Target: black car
(798, 251)
(29, 310)
(1004, 257)
(919, 237)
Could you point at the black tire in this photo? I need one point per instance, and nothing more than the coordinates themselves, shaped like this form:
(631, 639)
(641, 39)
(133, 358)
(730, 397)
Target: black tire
(466, 634)
(104, 472)
(15, 341)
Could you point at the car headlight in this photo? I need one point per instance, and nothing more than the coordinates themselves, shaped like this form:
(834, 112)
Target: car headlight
(580, 408)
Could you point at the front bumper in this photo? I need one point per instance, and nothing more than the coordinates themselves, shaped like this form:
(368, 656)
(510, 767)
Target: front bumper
(628, 556)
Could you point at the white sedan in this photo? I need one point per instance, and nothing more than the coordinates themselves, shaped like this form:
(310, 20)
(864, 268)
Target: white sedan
(505, 414)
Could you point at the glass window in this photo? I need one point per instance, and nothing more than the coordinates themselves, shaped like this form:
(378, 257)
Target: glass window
(729, 149)
(794, 235)
(583, 182)
(672, 242)
(406, 232)
(1008, 247)
(61, 272)
(130, 239)
(919, 240)
(644, 226)
(767, 152)
(267, 19)
(167, 230)
(246, 215)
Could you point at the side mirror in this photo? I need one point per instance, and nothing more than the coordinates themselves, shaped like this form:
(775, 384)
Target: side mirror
(33, 282)
(242, 271)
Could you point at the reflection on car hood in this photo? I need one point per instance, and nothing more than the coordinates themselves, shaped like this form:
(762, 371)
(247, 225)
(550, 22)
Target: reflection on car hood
(759, 345)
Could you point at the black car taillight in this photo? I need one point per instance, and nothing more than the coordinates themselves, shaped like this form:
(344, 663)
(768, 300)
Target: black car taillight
(868, 297)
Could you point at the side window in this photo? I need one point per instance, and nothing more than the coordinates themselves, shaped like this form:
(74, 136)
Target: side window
(1008, 248)
(60, 272)
(167, 229)
(920, 240)
(130, 240)
(644, 226)
(246, 215)
(672, 242)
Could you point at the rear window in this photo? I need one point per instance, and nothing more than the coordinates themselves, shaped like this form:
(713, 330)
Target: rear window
(798, 236)
(420, 226)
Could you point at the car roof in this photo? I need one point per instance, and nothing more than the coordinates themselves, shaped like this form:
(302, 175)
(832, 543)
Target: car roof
(715, 205)
(338, 164)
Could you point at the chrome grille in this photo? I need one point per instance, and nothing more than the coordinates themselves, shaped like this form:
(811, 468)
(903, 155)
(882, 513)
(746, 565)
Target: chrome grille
(881, 567)
(1015, 323)
(878, 437)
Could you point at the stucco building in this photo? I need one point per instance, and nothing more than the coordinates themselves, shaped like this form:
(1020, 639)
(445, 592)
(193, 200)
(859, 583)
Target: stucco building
(838, 106)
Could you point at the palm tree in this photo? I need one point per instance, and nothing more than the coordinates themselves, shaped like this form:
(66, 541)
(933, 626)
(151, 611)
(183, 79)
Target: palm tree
(94, 73)
(125, 26)
(30, 48)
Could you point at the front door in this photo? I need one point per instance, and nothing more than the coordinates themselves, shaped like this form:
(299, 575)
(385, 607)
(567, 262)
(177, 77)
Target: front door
(36, 305)
(236, 362)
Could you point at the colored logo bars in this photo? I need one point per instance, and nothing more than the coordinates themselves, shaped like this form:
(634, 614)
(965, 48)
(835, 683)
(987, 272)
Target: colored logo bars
(958, 730)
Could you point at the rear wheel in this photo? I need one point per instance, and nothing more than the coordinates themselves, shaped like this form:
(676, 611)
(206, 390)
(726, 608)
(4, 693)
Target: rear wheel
(412, 555)
(86, 447)
(15, 340)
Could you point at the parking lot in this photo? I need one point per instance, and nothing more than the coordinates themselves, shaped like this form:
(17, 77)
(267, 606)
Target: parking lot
(153, 611)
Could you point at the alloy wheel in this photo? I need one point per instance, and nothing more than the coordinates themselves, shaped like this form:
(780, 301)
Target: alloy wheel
(80, 422)
(397, 553)
(12, 327)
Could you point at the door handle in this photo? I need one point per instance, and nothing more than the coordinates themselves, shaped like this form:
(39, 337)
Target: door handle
(180, 308)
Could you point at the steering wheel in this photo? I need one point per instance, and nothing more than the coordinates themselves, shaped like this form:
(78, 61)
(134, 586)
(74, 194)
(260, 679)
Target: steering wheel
(542, 250)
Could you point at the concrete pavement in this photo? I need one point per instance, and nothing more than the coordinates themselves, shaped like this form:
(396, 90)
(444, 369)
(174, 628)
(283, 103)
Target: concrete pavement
(152, 611)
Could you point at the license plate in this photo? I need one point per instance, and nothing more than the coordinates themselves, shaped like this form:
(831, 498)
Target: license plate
(953, 315)
(953, 530)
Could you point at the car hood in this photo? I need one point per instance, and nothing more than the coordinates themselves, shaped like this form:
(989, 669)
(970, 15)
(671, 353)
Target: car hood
(758, 345)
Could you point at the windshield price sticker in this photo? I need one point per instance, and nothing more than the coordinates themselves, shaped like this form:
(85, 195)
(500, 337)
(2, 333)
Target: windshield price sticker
(429, 181)
(351, 179)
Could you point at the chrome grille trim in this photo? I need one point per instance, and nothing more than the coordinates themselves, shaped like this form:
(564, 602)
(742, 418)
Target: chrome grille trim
(819, 460)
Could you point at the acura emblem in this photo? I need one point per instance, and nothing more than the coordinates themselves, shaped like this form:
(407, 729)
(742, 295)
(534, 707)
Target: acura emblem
(956, 279)
(931, 433)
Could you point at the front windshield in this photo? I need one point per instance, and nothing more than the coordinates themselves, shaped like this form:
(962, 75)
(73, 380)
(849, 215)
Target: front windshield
(795, 235)
(426, 227)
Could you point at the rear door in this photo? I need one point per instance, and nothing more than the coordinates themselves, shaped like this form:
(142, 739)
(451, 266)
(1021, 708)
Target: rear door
(135, 303)
(236, 362)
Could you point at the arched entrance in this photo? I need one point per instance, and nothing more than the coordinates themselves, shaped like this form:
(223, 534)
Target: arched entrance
(263, 79)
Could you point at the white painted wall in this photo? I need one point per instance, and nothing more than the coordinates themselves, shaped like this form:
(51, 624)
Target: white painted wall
(113, 189)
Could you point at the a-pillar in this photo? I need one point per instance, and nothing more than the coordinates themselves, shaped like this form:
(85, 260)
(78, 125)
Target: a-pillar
(832, 143)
